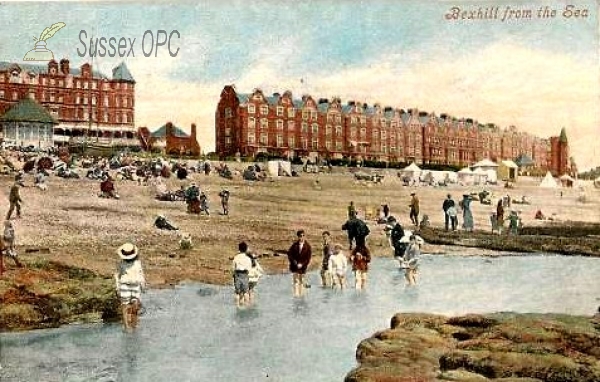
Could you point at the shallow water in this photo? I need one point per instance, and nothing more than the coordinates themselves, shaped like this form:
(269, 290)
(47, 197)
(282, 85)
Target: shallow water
(195, 333)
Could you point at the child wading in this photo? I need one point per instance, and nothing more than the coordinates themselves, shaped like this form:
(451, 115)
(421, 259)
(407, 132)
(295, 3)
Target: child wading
(338, 266)
(254, 274)
(242, 263)
(361, 257)
(130, 284)
(410, 262)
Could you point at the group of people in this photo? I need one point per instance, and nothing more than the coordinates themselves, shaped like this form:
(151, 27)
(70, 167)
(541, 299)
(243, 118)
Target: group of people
(197, 200)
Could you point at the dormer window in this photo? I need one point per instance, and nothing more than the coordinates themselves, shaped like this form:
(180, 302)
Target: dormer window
(52, 71)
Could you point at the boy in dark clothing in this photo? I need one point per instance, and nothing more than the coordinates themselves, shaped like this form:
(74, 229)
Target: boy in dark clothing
(14, 200)
(446, 206)
(396, 237)
(357, 231)
(224, 194)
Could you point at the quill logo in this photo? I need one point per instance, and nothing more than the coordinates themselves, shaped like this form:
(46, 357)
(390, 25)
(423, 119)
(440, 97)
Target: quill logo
(40, 52)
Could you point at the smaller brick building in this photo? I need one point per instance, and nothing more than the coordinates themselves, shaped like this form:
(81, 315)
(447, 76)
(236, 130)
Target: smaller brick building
(170, 139)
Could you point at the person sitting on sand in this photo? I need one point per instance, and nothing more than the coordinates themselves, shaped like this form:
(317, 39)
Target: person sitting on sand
(107, 188)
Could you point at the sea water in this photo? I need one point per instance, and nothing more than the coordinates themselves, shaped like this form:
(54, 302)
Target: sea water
(194, 332)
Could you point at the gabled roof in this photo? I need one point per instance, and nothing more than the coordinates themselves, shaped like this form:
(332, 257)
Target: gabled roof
(43, 69)
(411, 167)
(28, 110)
(509, 164)
(121, 73)
(162, 132)
(485, 163)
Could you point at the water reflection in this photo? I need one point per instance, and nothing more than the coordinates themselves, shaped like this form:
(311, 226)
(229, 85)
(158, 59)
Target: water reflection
(195, 333)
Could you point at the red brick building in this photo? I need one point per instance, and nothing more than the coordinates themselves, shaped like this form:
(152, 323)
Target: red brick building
(170, 139)
(559, 159)
(249, 124)
(86, 103)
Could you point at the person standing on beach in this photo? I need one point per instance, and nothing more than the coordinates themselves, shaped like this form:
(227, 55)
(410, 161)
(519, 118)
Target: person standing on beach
(224, 195)
(467, 214)
(500, 216)
(9, 242)
(299, 256)
(414, 208)
(15, 201)
(351, 210)
(448, 202)
(326, 275)
(357, 230)
(130, 282)
(242, 262)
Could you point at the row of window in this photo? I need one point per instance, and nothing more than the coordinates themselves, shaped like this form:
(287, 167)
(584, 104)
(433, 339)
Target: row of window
(51, 97)
(15, 77)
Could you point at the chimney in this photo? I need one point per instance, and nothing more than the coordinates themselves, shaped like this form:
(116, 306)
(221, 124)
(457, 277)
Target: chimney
(193, 132)
(64, 66)
(169, 130)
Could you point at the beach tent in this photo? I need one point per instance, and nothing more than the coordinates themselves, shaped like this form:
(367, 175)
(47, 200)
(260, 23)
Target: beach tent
(566, 180)
(480, 175)
(548, 181)
(466, 176)
(508, 171)
(413, 171)
(492, 176)
(485, 164)
(277, 168)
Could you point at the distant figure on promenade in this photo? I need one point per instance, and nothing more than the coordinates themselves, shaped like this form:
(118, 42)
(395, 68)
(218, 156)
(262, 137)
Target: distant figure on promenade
(386, 210)
(410, 261)
(448, 219)
(360, 257)
(414, 208)
(351, 210)
(224, 195)
(131, 282)
(357, 231)
(326, 275)
(242, 262)
(254, 274)
(299, 256)
(467, 214)
(338, 266)
(15, 200)
(500, 216)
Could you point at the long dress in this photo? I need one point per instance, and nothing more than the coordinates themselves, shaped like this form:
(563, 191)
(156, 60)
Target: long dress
(467, 214)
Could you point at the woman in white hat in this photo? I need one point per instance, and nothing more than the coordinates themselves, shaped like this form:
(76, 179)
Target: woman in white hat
(130, 283)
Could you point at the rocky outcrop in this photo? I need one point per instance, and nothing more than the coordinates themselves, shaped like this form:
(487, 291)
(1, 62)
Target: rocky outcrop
(568, 238)
(49, 294)
(503, 347)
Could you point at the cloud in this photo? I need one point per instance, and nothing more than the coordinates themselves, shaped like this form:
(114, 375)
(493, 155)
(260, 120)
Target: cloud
(537, 91)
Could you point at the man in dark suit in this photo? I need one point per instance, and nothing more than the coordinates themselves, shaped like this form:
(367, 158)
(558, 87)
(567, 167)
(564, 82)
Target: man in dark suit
(299, 256)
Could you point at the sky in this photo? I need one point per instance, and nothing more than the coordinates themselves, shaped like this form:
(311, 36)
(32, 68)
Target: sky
(536, 73)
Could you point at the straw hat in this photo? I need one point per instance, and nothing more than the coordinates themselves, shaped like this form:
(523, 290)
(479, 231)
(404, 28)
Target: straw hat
(128, 251)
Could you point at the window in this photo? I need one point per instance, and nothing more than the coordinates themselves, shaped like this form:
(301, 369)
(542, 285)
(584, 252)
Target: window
(264, 123)
(85, 100)
(363, 132)
(315, 128)
(264, 139)
(314, 115)
(291, 125)
(227, 112)
(94, 85)
(118, 118)
(51, 97)
(291, 142)
(353, 132)
(338, 145)
(279, 140)
(76, 99)
(124, 117)
(338, 119)
(228, 141)
(304, 142)
(329, 117)
(52, 82)
(279, 124)
(31, 95)
(105, 117)
(105, 101)
(251, 109)
(251, 137)
(291, 112)
(363, 120)
(338, 130)
(86, 116)
(264, 110)
(251, 123)
(328, 145)
(85, 85)
(304, 128)
(280, 111)
(353, 120)
(124, 102)
(15, 96)
(305, 114)
(1, 93)
(315, 143)
(328, 129)
(116, 102)
(78, 85)
(60, 99)
(93, 100)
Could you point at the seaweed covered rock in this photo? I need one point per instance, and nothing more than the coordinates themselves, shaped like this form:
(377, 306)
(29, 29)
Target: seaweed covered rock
(505, 347)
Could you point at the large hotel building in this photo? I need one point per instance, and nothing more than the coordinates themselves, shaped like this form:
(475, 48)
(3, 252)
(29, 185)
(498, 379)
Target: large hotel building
(278, 124)
(84, 102)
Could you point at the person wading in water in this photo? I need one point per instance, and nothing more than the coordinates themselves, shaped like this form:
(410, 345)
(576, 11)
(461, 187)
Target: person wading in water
(131, 282)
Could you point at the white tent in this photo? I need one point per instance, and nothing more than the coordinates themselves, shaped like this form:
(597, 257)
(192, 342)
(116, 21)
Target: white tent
(548, 181)
(492, 176)
(277, 168)
(480, 175)
(485, 164)
(466, 176)
(412, 171)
